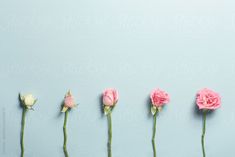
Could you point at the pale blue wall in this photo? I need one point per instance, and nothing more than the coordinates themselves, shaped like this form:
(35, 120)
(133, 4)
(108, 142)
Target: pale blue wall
(181, 46)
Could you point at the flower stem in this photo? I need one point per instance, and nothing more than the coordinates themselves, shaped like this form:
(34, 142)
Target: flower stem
(110, 135)
(154, 133)
(203, 133)
(65, 134)
(22, 131)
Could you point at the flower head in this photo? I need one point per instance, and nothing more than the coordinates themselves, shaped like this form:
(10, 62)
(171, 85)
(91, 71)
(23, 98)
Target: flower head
(69, 102)
(28, 100)
(110, 99)
(158, 99)
(208, 99)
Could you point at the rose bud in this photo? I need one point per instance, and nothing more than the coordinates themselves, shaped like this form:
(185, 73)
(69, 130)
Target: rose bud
(69, 102)
(28, 100)
(110, 99)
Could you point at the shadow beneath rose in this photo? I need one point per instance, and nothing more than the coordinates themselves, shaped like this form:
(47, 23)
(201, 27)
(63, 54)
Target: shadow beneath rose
(20, 105)
(148, 107)
(60, 108)
(101, 105)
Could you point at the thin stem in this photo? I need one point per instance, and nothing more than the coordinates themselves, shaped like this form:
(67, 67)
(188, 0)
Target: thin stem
(110, 135)
(203, 133)
(65, 135)
(154, 133)
(22, 131)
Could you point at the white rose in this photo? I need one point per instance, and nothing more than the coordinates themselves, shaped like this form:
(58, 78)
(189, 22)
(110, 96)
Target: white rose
(28, 100)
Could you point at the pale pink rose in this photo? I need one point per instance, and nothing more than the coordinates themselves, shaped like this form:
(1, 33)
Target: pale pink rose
(159, 97)
(69, 101)
(208, 99)
(110, 97)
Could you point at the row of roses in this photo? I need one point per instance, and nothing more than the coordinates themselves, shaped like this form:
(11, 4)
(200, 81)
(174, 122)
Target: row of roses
(206, 100)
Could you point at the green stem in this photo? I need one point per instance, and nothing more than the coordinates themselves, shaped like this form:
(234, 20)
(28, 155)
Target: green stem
(110, 135)
(153, 137)
(22, 131)
(203, 133)
(65, 135)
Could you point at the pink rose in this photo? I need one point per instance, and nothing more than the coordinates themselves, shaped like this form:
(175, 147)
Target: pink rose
(110, 97)
(208, 99)
(159, 98)
(69, 101)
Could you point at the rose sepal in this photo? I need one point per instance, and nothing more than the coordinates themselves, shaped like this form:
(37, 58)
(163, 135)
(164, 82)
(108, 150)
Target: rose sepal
(155, 109)
(107, 110)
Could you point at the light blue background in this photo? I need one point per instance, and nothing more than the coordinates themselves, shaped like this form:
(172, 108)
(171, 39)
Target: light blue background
(181, 46)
